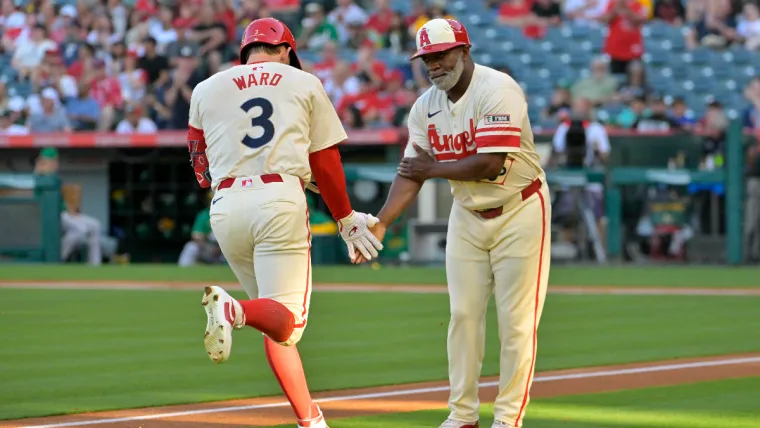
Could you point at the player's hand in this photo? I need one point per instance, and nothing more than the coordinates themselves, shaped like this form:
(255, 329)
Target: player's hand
(378, 230)
(354, 229)
(417, 168)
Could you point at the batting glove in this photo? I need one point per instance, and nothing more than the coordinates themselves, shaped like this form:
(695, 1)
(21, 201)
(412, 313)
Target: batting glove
(354, 229)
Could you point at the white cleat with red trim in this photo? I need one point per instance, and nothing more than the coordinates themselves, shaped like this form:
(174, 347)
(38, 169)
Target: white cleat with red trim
(315, 422)
(224, 314)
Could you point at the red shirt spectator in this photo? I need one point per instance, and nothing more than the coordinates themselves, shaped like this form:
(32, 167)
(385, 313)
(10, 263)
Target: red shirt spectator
(379, 22)
(323, 69)
(624, 41)
(519, 13)
(106, 90)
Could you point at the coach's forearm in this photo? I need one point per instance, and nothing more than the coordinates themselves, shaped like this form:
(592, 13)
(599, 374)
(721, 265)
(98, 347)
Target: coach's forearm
(477, 167)
(403, 191)
(327, 170)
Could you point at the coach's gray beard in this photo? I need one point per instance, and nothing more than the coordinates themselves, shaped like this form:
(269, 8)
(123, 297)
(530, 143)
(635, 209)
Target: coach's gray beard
(448, 80)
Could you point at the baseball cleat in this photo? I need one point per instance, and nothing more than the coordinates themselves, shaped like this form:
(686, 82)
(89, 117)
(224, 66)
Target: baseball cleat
(315, 422)
(224, 314)
(500, 424)
(451, 423)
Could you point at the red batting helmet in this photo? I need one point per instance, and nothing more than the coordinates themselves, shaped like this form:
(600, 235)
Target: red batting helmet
(439, 35)
(271, 32)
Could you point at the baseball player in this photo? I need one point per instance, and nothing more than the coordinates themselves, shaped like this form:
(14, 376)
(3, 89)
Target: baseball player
(471, 128)
(258, 132)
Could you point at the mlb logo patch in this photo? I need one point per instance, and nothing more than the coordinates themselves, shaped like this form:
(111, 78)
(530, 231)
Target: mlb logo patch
(247, 182)
(493, 119)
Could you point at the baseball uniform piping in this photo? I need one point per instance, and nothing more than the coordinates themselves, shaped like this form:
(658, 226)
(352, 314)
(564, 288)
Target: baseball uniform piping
(308, 273)
(535, 309)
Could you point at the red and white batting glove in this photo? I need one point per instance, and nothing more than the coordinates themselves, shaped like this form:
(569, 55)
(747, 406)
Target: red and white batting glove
(199, 162)
(354, 229)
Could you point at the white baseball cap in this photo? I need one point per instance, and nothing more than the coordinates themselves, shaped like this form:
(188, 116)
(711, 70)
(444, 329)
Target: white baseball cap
(438, 35)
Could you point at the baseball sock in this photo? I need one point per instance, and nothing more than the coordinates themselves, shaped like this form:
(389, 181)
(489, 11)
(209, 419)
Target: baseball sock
(286, 365)
(269, 317)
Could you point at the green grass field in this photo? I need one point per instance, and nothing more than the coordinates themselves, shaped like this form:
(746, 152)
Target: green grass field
(86, 350)
(668, 276)
(725, 404)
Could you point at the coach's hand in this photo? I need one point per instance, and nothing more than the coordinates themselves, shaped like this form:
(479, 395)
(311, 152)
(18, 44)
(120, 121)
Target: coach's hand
(378, 230)
(354, 229)
(417, 168)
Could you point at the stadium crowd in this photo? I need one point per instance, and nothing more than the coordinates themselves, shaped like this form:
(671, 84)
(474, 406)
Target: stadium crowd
(130, 66)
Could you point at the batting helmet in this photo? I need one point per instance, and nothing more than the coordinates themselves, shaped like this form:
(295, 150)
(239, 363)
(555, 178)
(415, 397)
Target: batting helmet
(271, 32)
(439, 35)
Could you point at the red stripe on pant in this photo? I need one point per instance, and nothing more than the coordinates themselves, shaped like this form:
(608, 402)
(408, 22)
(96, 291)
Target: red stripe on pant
(535, 309)
(308, 273)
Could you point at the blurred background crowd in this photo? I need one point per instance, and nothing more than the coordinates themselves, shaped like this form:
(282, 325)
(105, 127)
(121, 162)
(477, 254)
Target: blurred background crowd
(130, 66)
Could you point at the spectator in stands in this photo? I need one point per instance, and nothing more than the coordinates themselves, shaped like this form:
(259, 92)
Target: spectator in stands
(748, 29)
(106, 90)
(635, 84)
(633, 112)
(83, 111)
(211, 34)
(751, 114)
(29, 53)
(102, 35)
(52, 72)
(599, 87)
(135, 122)
(398, 100)
(657, 119)
(515, 13)
(559, 106)
(162, 30)
(397, 38)
(84, 61)
(679, 112)
(624, 42)
(71, 42)
(435, 9)
(7, 127)
(547, 13)
(670, 11)
(366, 63)
(584, 12)
(713, 126)
(184, 78)
(341, 83)
(52, 117)
(379, 22)
(155, 66)
(157, 110)
(316, 31)
(346, 14)
(357, 35)
(715, 27)
(132, 80)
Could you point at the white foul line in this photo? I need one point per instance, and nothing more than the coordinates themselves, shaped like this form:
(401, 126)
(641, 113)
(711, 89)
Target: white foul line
(539, 378)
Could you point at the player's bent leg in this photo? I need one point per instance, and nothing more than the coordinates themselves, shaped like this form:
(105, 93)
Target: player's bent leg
(520, 262)
(470, 284)
(283, 268)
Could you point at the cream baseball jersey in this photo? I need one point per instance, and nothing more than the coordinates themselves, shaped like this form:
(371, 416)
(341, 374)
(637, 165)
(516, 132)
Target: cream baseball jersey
(263, 118)
(491, 117)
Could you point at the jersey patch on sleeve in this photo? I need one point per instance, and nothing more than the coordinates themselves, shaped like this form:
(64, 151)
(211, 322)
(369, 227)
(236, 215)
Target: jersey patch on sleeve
(501, 119)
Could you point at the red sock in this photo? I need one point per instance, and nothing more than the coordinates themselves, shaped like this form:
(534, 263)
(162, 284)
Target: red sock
(286, 365)
(269, 317)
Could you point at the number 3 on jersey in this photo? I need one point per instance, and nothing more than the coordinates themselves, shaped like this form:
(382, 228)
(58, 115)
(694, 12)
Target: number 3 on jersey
(261, 121)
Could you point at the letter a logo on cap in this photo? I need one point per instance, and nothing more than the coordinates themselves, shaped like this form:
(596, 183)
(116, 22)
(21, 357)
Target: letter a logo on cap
(424, 38)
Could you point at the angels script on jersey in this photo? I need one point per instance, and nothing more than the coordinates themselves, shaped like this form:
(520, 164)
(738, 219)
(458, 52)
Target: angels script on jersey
(452, 147)
(257, 79)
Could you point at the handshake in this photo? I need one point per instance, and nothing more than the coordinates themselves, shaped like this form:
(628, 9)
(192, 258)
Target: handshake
(363, 234)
